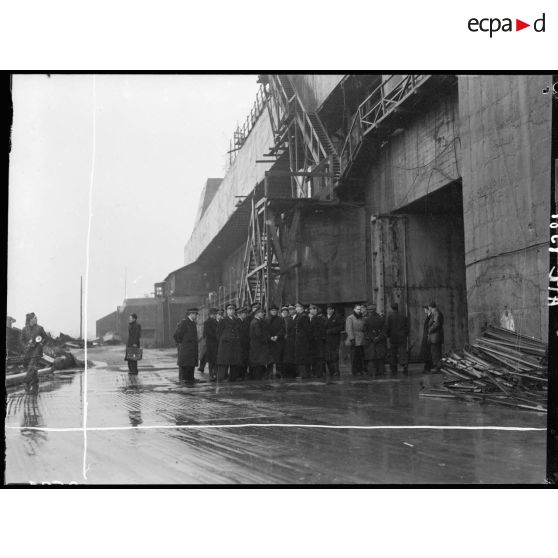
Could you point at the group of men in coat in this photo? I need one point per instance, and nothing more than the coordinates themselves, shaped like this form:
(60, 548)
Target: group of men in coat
(301, 342)
(243, 344)
(370, 334)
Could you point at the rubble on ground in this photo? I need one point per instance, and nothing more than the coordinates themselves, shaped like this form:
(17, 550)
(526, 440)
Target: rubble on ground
(502, 367)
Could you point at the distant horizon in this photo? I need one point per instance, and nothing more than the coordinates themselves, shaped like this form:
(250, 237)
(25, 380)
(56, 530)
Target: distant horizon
(158, 139)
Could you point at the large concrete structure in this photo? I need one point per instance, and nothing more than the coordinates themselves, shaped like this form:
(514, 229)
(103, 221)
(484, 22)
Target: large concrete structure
(401, 188)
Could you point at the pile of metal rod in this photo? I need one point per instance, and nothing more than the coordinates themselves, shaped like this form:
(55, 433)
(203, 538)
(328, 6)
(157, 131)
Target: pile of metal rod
(501, 367)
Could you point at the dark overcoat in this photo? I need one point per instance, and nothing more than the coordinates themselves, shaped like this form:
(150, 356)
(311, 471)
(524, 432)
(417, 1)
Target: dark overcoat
(290, 335)
(397, 328)
(375, 340)
(245, 341)
(276, 327)
(211, 340)
(134, 334)
(259, 343)
(424, 351)
(229, 352)
(318, 334)
(186, 337)
(333, 327)
(303, 339)
(436, 328)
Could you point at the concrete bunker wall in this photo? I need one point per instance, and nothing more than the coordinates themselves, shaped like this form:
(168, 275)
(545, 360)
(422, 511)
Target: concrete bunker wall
(506, 134)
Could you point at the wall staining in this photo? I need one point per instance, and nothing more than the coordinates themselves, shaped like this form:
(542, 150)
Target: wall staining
(330, 249)
(505, 133)
(423, 157)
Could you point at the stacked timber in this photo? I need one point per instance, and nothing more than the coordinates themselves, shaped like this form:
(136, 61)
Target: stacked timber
(501, 367)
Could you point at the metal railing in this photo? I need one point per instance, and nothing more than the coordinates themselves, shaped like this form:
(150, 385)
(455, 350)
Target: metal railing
(242, 132)
(383, 100)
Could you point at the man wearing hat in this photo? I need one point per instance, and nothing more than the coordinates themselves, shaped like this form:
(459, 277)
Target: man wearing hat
(303, 339)
(289, 365)
(134, 336)
(255, 307)
(229, 353)
(276, 327)
(333, 327)
(259, 345)
(186, 338)
(244, 343)
(397, 331)
(33, 337)
(317, 346)
(435, 338)
(211, 342)
(375, 341)
(354, 325)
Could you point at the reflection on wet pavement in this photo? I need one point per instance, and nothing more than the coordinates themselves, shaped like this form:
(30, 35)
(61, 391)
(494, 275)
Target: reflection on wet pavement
(257, 454)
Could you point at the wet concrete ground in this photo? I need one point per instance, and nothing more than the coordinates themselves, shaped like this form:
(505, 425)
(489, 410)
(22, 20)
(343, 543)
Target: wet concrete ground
(151, 431)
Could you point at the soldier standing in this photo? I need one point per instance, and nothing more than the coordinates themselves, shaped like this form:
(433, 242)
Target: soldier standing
(375, 348)
(134, 336)
(186, 337)
(33, 337)
(259, 345)
(211, 342)
(333, 328)
(397, 331)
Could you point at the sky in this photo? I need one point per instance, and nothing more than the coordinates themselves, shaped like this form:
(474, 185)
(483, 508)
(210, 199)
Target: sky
(155, 141)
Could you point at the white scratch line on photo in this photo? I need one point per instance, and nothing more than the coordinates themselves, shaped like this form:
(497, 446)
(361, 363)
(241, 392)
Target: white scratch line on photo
(87, 257)
(277, 425)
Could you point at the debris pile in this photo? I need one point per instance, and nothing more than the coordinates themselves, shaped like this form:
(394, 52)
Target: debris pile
(501, 367)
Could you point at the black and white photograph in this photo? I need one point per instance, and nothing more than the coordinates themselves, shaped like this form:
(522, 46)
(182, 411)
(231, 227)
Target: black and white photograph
(279, 278)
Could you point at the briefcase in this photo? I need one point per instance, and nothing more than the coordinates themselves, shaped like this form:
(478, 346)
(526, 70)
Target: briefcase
(134, 353)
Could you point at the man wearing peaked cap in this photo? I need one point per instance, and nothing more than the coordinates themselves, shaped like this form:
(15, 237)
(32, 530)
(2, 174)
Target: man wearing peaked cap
(276, 330)
(303, 336)
(211, 342)
(244, 342)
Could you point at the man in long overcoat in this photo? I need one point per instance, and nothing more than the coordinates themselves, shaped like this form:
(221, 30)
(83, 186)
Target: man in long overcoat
(397, 331)
(276, 327)
(435, 335)
(211, 342)
(289, 363)
(186, 337)
(259, 345)
(317, 345)
(134, 336)
(355, 339)
(243, 370)
(229, 352)
(375, 341)
(303, 338)
(425, 349)
(333, 327)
